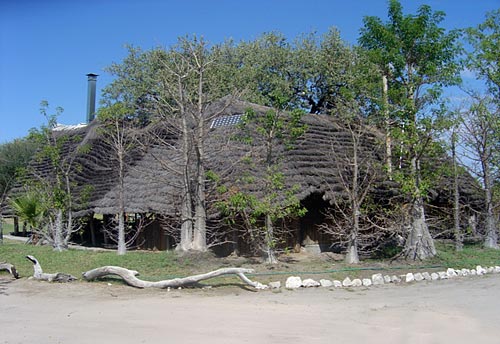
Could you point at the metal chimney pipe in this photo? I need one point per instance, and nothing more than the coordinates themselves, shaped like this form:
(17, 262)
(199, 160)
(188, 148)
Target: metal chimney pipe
(92, 79)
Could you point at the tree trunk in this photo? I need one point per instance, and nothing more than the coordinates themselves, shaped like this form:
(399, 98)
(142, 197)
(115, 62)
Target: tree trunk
(200, 226)
(92, 230)
(16, 225)
(200, 230)
(122, 245)
(186, 235)
(456, 197)
(388, 137)
(58, 232)
(352, 256)
(270, 241)
(68, 230)
(419, 244)
(129, 276)
(491, 239)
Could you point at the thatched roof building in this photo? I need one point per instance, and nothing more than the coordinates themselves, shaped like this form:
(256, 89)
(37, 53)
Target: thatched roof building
(152, 181)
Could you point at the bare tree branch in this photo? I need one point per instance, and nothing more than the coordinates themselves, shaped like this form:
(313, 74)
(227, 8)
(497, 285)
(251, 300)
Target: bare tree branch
(129, 276)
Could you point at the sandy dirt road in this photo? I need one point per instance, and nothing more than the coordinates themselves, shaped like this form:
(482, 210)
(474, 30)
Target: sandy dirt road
(465, 310)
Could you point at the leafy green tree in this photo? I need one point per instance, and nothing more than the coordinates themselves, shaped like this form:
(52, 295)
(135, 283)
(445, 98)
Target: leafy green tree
(329, 73)
(135, 83)
(53, 183)
(14, 158)
(267, 135)
(269, 70)
(483, 59)
(418, 58)
(31, 208)
(264, 70)
(312, 72)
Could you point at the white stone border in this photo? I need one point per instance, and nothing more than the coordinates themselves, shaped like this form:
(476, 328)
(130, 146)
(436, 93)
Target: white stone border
(295, 282)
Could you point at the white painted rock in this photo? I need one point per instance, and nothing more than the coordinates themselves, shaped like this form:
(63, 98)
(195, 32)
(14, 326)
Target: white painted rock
(356, 282)
(409, 277)
(377, 279)
(451, 273)
(275, 285)
(395, 279)
(387, 279)
(346, 282)
(442, 275)
(309, 282)
(260, 286)
(497, 269)
(337, 284)
(325, 283)
(490, 270)
(465, 272)
(418, 277)
(459, 273)
(426, 276)
(480, 270)
(473, 272)
(367, 282)
(293, 282)
(434, 276)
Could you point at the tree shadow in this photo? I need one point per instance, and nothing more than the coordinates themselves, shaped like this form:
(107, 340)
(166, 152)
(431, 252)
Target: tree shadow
(4, 282)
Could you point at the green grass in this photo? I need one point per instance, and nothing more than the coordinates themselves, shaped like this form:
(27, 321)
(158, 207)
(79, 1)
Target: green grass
(7, 227)
(154, 266)
(469, 257)
(151, 265)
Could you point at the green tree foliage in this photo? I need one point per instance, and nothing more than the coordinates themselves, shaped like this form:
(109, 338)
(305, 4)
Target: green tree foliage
(14, 158)
(31, 208)
(53, 184)
(276, 200)
(418, 58)
(312, 72)
(263, 69)
(395, 78)
(484, 58)
(135, 83)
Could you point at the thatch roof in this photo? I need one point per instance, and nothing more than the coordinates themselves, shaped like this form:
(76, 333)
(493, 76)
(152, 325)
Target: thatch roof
(152, 182)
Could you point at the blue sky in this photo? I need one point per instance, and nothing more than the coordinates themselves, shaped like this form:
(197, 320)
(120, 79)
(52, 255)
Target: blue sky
(47, 46)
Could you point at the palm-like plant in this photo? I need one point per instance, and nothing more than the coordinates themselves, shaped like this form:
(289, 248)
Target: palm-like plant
(30, 208)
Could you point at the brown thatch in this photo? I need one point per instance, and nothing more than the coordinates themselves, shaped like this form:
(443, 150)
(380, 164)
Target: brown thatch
(152, 179)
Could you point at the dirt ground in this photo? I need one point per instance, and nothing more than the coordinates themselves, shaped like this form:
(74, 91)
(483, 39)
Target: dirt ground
(465, 310)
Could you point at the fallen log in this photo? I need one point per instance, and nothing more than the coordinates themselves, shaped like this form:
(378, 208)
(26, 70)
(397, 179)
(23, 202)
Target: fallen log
(54, 277)
(129, 276)
(10, 268)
